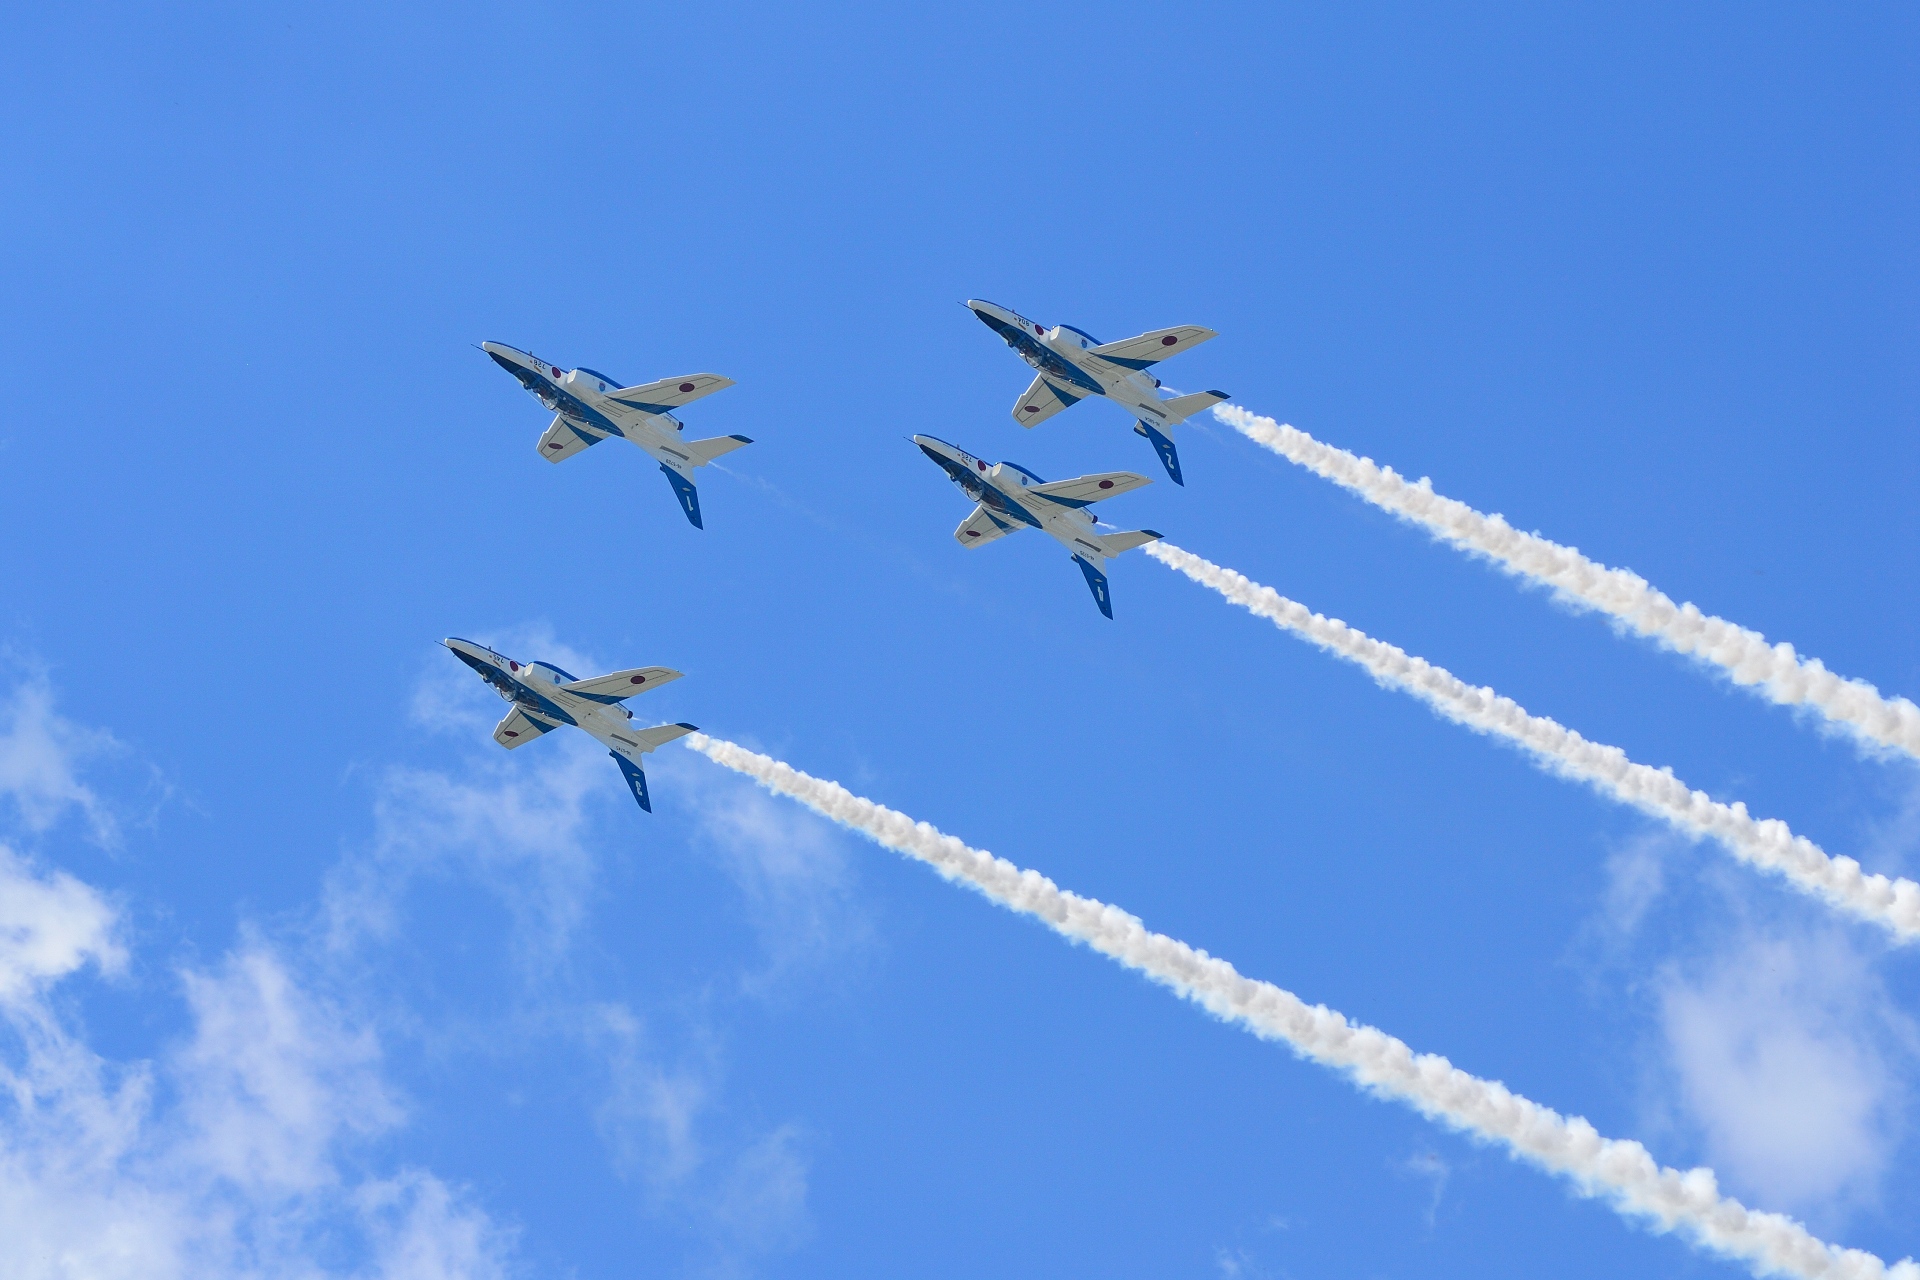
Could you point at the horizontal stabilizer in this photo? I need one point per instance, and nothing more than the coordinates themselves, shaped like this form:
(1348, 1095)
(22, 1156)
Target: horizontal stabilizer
(563, 439)
(658, 736)
(1041, 401)
(1115, 543)
(517, 729)
(689, 496)
(670, 393)
(622, 684)
(982, 526)
(1096, 583)
(1180, 408)
(1150, 348)
(1082, 490)
(705, 451)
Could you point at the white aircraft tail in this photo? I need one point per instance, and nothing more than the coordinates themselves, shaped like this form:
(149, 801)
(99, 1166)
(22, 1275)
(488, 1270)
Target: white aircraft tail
(1180, 408)
(1115, 543)
(705, 451)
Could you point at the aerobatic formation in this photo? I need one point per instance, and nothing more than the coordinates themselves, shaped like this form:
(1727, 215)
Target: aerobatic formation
(1071, 365)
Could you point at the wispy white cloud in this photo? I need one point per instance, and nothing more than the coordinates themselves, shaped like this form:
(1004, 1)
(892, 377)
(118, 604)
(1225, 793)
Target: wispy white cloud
(742, 1192)
(1786, 1055)
(233, 1154)
(237, 1151)
(1431, 1169)
(41, 752)
(792, 870)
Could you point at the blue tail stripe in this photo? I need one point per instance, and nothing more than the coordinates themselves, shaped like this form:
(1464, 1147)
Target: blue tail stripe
(1097, 583)
(636, 780)
(689, 496)
(1162, 445)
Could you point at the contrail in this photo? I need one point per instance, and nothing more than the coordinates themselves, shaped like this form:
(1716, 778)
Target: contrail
(1782, 675)
(1764, 842)
(1622, 1172)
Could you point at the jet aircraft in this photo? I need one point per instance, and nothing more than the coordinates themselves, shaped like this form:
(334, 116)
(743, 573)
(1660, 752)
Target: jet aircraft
(588, 407)
(1074, 364)
(545, 697)
(1011, 498)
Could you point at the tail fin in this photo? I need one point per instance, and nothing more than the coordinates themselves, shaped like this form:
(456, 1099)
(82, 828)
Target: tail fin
(1115, 543)
(705, 451)
(1180, 408)
(1096, 583)
(689, 496)
(636, 779)
(1162, 445)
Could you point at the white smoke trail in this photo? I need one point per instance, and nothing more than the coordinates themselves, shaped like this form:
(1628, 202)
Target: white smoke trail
(1622, 1172)
(1764, 842)
(1776, 670)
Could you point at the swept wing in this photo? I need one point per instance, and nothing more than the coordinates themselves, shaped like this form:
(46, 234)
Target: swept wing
(1150, 348)
(623, 684)
(1041, 401)
(1083, 490)
(562, 439)
(982, 526)
(518, 729)
(670, 393)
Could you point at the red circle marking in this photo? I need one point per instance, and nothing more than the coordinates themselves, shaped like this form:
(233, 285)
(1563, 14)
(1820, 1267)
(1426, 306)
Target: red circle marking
(1168, 341)
(556, 370)
(513, 733)
(1038, 329)
(973, 533)
(981, 465)
(1032, 408)
(686, 386)
(638, 680)
(1106, 484)
(513, 664)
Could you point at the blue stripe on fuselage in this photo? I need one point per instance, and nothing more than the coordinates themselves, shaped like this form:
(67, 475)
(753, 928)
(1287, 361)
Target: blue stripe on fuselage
(1042, 357)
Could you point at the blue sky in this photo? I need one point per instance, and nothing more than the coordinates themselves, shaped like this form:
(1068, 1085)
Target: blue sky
(299, 970)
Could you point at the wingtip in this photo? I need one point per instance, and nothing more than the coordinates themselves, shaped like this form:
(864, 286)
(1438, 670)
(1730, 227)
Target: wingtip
(690, 728)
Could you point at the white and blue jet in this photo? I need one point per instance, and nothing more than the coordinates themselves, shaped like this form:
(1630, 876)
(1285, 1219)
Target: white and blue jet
(544, 697)
(1073, 365)
(588, 407)
(1011, 498)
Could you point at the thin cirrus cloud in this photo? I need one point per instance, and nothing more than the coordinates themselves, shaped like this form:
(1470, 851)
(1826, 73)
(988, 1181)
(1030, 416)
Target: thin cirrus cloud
(236, 1151)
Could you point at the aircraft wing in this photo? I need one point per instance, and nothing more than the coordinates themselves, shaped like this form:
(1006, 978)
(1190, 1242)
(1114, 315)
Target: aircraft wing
(670, 393)
(562, 439)
(1041, 401)
(1082, 490)
(1151, 348)
(623, 684)
(982, 526)
(518, 729)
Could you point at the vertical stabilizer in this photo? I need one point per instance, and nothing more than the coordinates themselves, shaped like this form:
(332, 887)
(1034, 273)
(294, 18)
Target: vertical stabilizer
(1096, 583)
(636, 779)
(1162, 445)
(689, 496)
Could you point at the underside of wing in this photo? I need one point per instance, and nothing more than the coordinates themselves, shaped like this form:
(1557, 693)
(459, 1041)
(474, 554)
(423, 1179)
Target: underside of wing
(1151, 348)
(982, 526)
(1082, 490)
(563, 439)
(518, 728)
(1041, 401)
(670, 393)
(622, 684)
